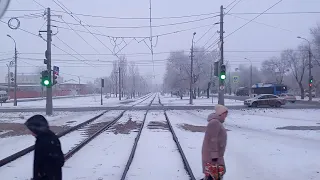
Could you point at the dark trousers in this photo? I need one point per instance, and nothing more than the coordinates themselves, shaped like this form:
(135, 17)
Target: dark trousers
(210, 178)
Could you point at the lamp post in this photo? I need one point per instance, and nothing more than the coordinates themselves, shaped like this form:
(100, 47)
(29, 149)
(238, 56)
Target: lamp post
(310, 66)
(191, 72)
(250, 76)
(15, 102)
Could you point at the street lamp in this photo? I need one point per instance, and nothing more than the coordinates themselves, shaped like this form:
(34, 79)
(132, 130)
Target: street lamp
(250, 76)
(15, 102)
(191, 74)
(310, 66)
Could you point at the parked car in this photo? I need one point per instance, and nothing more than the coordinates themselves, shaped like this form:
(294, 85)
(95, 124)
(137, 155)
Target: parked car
(288, 97)
(265, 99)
(3, 96)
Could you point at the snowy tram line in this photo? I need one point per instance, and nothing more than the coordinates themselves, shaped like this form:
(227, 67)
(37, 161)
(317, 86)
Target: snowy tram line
(69, 141)
(80, 134)
(105, 156)
(156, 155)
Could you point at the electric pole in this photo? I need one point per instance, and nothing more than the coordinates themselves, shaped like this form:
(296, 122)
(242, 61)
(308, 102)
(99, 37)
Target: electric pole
(119, 83)
(221, 81)
(15, 102)
(191, 72)
(48, 56)
(8, 65)
(310, 73)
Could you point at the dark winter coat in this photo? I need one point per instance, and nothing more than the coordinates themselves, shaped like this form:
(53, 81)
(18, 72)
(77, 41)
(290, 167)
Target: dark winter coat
(48, 156)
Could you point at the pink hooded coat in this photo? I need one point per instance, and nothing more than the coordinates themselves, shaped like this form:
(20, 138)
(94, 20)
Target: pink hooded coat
(214, 142)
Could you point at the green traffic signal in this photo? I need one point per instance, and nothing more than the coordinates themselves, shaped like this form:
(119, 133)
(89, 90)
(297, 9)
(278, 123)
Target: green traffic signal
(222, 76)
(45, 82)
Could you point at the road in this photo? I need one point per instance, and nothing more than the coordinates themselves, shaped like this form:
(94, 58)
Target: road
(300, 102)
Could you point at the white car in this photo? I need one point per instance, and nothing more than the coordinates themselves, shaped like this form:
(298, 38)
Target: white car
(288, 97)
(265, 99)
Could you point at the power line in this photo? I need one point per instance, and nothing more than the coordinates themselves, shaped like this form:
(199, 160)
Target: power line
(138, 37)
(79, 20)
(164, 52)
(73, 50)
(262, 23)
(278, 13)
(141, 18)
(253, 19)
(233, 6)
(206, 32)
(136, 27)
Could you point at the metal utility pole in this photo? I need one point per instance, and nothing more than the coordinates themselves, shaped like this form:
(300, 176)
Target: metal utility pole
(250, 85)
(310, 66)
(221, 82)
(15, 102)
(191, 71)
(49, 107)
(8, 65)
(120, 83)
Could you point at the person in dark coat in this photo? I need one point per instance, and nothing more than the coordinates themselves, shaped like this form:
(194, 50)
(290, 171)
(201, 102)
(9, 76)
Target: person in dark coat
(48, 156)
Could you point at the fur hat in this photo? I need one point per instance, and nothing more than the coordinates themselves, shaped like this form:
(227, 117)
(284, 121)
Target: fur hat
(220, 109)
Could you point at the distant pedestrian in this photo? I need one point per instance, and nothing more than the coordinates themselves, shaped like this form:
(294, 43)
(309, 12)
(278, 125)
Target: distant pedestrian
(48, 156)
(214, 145)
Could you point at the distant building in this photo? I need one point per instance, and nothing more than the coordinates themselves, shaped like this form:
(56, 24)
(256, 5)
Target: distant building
(30, 79)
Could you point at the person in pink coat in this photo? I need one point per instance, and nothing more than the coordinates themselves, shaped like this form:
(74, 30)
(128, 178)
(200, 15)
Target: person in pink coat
(214, 144)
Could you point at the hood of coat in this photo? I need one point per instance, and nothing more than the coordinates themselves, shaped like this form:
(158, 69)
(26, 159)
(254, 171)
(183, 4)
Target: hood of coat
(215, 116)
(37, 124)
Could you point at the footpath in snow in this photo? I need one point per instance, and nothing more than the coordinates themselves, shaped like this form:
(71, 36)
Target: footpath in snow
(271, 145)
(157, 156)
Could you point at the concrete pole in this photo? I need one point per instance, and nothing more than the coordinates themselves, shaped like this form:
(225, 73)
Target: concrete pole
(49, 106)
(222, 82)
(191, 72)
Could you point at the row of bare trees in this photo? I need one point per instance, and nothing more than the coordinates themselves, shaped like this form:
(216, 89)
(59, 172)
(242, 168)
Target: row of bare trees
(178, 72)
(131, 83)
(290, 67)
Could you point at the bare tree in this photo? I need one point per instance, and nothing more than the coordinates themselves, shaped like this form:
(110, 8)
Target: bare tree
(315, 32)
(275, 69)
(298, 63)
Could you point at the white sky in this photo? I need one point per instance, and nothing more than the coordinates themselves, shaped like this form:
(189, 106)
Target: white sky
(253, 37)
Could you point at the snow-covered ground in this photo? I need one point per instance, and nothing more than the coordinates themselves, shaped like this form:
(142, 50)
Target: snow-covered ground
(105, 157)
(15, 143)
(24, 164)
(157, 156)
(202, 101)
(307, 99)
(256, 149)
(88, 101)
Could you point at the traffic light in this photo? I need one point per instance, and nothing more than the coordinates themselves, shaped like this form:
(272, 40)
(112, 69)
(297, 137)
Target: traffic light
(222, 72)
(55, 77)
(45, 80)
(310, 81)
(11, 78)
(216, 68)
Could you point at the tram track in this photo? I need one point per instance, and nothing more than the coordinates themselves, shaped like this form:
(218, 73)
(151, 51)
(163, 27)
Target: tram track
(80, 126)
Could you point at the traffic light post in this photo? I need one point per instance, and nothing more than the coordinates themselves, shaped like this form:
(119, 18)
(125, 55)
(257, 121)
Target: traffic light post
(222, 67)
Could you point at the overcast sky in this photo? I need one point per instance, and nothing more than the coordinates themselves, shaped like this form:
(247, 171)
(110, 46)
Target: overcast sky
(253, 37)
